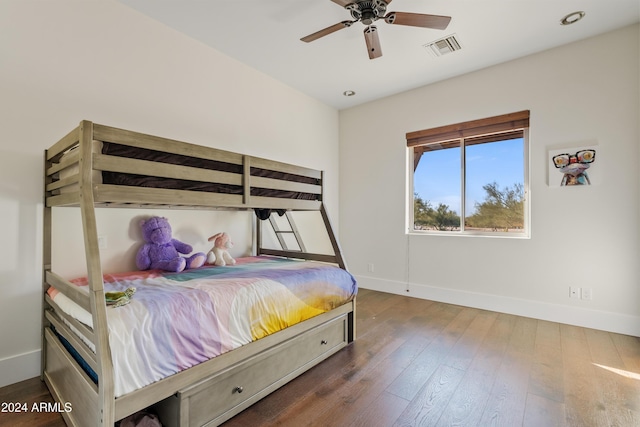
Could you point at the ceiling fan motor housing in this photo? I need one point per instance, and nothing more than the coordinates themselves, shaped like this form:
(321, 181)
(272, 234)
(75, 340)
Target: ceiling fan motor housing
(367, 11)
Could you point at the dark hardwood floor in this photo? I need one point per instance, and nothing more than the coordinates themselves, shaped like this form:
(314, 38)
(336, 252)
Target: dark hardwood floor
(423, 363)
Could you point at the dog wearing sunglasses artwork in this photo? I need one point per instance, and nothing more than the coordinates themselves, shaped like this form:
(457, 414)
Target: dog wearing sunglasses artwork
(574, 167)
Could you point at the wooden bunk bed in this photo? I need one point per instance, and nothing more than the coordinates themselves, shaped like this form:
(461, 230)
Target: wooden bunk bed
(212, 391)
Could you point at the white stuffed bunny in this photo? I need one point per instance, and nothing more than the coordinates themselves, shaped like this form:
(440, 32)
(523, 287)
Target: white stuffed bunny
(219, 253)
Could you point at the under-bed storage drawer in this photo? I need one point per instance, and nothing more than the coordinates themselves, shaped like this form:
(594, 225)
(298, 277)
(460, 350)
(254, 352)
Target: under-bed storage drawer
(225, 394)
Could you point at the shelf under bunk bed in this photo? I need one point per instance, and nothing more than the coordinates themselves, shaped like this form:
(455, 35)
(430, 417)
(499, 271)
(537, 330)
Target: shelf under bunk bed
(99, 166)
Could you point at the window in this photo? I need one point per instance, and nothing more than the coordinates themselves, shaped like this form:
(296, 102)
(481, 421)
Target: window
(476, 171)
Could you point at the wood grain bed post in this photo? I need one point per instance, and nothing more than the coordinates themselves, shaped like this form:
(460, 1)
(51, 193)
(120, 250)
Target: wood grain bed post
(46, 262)
(246, 180)
(106, 396)
(341, 262)
(256, 238)
(332, 237)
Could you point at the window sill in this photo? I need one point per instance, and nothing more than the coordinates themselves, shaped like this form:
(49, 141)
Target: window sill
(496, 235)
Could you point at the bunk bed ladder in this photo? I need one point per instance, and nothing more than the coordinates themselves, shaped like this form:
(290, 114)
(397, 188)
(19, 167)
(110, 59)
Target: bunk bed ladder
(282, 229)
(291, 229)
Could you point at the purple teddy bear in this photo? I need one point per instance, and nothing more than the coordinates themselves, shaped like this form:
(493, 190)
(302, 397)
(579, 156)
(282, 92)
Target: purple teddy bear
(161, 251)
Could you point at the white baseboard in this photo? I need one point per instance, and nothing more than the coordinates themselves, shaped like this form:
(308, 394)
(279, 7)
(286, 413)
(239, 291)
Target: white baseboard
(578, 316)
(19, 368)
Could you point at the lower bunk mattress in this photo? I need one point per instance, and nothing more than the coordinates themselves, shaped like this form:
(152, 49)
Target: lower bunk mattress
(177, 320)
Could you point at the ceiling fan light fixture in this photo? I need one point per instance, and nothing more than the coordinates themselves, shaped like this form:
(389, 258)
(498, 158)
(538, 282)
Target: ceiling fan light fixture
(572, 18)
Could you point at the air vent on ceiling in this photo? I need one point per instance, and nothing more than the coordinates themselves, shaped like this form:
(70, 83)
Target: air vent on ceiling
(443, 46)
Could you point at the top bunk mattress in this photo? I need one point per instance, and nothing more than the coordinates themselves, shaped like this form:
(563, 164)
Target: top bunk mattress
(177, 320)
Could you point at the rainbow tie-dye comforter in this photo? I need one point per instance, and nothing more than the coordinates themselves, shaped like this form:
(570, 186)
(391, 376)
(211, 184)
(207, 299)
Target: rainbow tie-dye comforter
(177, 320)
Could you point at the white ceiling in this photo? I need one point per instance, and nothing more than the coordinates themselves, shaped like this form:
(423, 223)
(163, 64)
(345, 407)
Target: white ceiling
(265, 34)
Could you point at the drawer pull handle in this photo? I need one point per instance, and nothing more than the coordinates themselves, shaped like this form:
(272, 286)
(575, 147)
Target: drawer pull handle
(323, 342)
(238, 389)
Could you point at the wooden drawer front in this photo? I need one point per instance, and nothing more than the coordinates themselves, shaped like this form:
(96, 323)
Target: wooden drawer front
(244, 383)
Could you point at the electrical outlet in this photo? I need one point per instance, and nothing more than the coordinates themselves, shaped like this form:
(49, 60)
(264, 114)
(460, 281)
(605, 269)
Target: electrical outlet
(587, 294)
(102, 242)
(574, 292)
(370, 267)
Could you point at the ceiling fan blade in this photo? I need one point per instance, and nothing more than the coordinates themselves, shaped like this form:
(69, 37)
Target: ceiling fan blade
(326, 31)
(342, 3)
(418, 20)
(373, 42)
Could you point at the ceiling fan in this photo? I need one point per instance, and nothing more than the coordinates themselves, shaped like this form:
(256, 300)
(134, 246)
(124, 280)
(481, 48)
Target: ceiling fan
(368, 12)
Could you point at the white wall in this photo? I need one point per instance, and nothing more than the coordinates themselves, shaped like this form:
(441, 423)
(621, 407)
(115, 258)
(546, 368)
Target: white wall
(584, 93)
(64, 61)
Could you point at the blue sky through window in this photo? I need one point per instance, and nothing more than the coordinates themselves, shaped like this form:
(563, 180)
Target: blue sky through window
(437, 178)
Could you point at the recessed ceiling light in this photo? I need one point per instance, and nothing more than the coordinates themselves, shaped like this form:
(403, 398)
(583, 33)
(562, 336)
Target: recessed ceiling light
(572, 18)
(349, 93)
